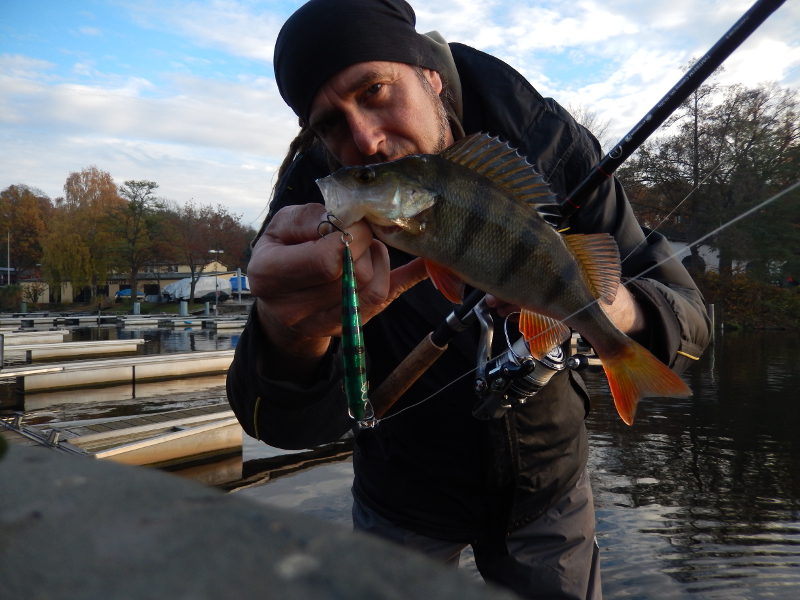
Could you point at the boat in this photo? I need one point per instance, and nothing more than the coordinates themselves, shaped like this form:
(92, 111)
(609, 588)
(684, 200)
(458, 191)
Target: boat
(159, 439)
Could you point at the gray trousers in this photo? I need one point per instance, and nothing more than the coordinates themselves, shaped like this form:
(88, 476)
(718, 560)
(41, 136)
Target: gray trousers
(554, 557)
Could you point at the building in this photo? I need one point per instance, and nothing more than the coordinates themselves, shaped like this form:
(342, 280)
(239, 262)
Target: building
(150, 281)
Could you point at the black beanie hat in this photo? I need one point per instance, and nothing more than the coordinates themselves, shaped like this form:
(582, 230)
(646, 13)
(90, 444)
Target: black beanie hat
(325, 36)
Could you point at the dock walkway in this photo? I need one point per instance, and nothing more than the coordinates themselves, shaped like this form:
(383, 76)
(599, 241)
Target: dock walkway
(150, 367)
(37, 351)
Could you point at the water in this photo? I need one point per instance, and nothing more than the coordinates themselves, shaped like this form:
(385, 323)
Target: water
(163, 340)
(99, 401)
(700, 499)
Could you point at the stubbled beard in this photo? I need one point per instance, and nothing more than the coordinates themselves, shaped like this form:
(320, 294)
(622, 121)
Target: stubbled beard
(442, 120)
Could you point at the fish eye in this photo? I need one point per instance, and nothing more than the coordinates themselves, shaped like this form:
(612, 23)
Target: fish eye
(365, 175)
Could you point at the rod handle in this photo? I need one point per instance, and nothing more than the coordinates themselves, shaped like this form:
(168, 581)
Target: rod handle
(405, 374)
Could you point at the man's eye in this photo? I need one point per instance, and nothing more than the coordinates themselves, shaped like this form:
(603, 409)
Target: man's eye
(374, 88)
(327, 125)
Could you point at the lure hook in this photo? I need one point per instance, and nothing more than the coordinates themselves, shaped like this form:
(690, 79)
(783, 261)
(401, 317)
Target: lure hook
(327, 221)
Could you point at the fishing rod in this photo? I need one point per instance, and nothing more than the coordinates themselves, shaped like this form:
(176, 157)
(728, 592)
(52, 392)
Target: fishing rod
(435, 343)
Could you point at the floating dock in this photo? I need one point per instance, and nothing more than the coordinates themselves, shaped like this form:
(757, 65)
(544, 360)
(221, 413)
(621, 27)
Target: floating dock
(37, 351)
(199, 384)
(141, 322)
(225, 323)
(118, 370)
(156, 439)
(17, 338)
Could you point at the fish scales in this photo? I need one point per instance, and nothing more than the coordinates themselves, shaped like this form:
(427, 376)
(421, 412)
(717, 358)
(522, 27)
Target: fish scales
(469, 212)
(496, 243)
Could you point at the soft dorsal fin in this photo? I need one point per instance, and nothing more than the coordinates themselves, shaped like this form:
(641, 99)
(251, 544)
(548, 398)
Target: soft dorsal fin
(598, 256)
(502, 164)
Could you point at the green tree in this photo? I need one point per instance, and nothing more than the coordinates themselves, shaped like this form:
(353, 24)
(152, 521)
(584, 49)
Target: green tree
(137, 225)
(729, 148)
(80, 244)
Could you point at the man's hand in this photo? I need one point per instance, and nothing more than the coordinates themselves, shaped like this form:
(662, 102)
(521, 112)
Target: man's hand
(624, 311)
(296, 276)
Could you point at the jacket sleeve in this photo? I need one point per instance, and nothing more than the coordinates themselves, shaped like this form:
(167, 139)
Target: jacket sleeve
(281, 413)
(678, 323)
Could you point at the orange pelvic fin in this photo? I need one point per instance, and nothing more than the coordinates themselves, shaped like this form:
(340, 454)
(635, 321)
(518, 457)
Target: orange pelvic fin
(542, 333)
(447, 282)
(635, 373)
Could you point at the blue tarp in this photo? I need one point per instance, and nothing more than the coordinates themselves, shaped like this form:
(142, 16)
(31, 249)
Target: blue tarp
(127, 294)
(235, 284)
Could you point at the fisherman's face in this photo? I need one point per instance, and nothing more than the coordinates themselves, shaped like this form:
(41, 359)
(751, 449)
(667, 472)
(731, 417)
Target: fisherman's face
(380, 111)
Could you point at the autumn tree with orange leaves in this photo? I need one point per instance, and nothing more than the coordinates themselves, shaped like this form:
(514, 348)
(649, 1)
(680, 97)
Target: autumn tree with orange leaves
(23, 214)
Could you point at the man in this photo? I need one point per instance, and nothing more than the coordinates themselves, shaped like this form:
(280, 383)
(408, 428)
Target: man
(368, 88)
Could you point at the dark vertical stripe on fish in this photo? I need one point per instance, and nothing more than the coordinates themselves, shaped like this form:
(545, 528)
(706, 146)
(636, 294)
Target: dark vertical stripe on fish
(517, 258)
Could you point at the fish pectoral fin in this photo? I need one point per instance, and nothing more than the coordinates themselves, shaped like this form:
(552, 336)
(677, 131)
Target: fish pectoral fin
(447, 282)
(542, 333)
(598, 256)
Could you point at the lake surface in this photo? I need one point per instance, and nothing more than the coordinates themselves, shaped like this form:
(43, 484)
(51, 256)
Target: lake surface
(700, 499)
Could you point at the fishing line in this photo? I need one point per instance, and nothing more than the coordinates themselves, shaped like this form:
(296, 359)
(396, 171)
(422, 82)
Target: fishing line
(671, 213)
(436, 393)
(697, 242)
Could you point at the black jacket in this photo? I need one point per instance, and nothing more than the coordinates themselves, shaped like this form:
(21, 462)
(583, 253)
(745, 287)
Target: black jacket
(435, 469)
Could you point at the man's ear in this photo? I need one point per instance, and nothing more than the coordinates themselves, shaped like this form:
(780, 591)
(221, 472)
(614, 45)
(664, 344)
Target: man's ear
(434, 79)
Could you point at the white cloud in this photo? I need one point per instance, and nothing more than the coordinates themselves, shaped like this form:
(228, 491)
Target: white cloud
(16, 65)
(89, 31)
(222, 24)
(192, 137)
(246, 116)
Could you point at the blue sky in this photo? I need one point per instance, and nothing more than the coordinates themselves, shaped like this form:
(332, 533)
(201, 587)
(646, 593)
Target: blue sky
(182, 93)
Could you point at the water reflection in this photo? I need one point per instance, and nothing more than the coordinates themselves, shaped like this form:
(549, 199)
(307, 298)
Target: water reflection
(163, 340)
(702, 495)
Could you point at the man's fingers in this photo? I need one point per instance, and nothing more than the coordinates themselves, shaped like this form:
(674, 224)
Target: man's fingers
(291, 255)
(406, 277)
(502, 307)
(295, 224)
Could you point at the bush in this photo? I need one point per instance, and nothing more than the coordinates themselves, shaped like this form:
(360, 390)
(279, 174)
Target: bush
(10, 297)
(744, 303)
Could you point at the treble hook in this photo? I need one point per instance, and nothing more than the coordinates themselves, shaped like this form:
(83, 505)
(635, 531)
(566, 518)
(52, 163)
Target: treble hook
(328, 221)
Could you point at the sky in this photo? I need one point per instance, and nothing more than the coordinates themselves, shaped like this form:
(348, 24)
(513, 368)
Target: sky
(183, 92)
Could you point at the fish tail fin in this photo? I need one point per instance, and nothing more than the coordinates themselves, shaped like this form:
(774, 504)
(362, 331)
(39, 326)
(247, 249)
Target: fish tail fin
(634, 373)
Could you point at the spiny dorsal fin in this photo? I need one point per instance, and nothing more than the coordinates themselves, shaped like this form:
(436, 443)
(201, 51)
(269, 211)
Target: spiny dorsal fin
(542, 333)
(502, 164)
(598, 256)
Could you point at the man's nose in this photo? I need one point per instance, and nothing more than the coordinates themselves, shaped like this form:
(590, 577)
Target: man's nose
(367, 135)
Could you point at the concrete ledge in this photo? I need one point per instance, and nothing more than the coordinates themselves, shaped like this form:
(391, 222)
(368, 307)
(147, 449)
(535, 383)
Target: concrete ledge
(82, 529)
(150, 367)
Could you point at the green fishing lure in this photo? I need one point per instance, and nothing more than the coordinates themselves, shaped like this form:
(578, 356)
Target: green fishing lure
(354, 361)
(353, 356)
